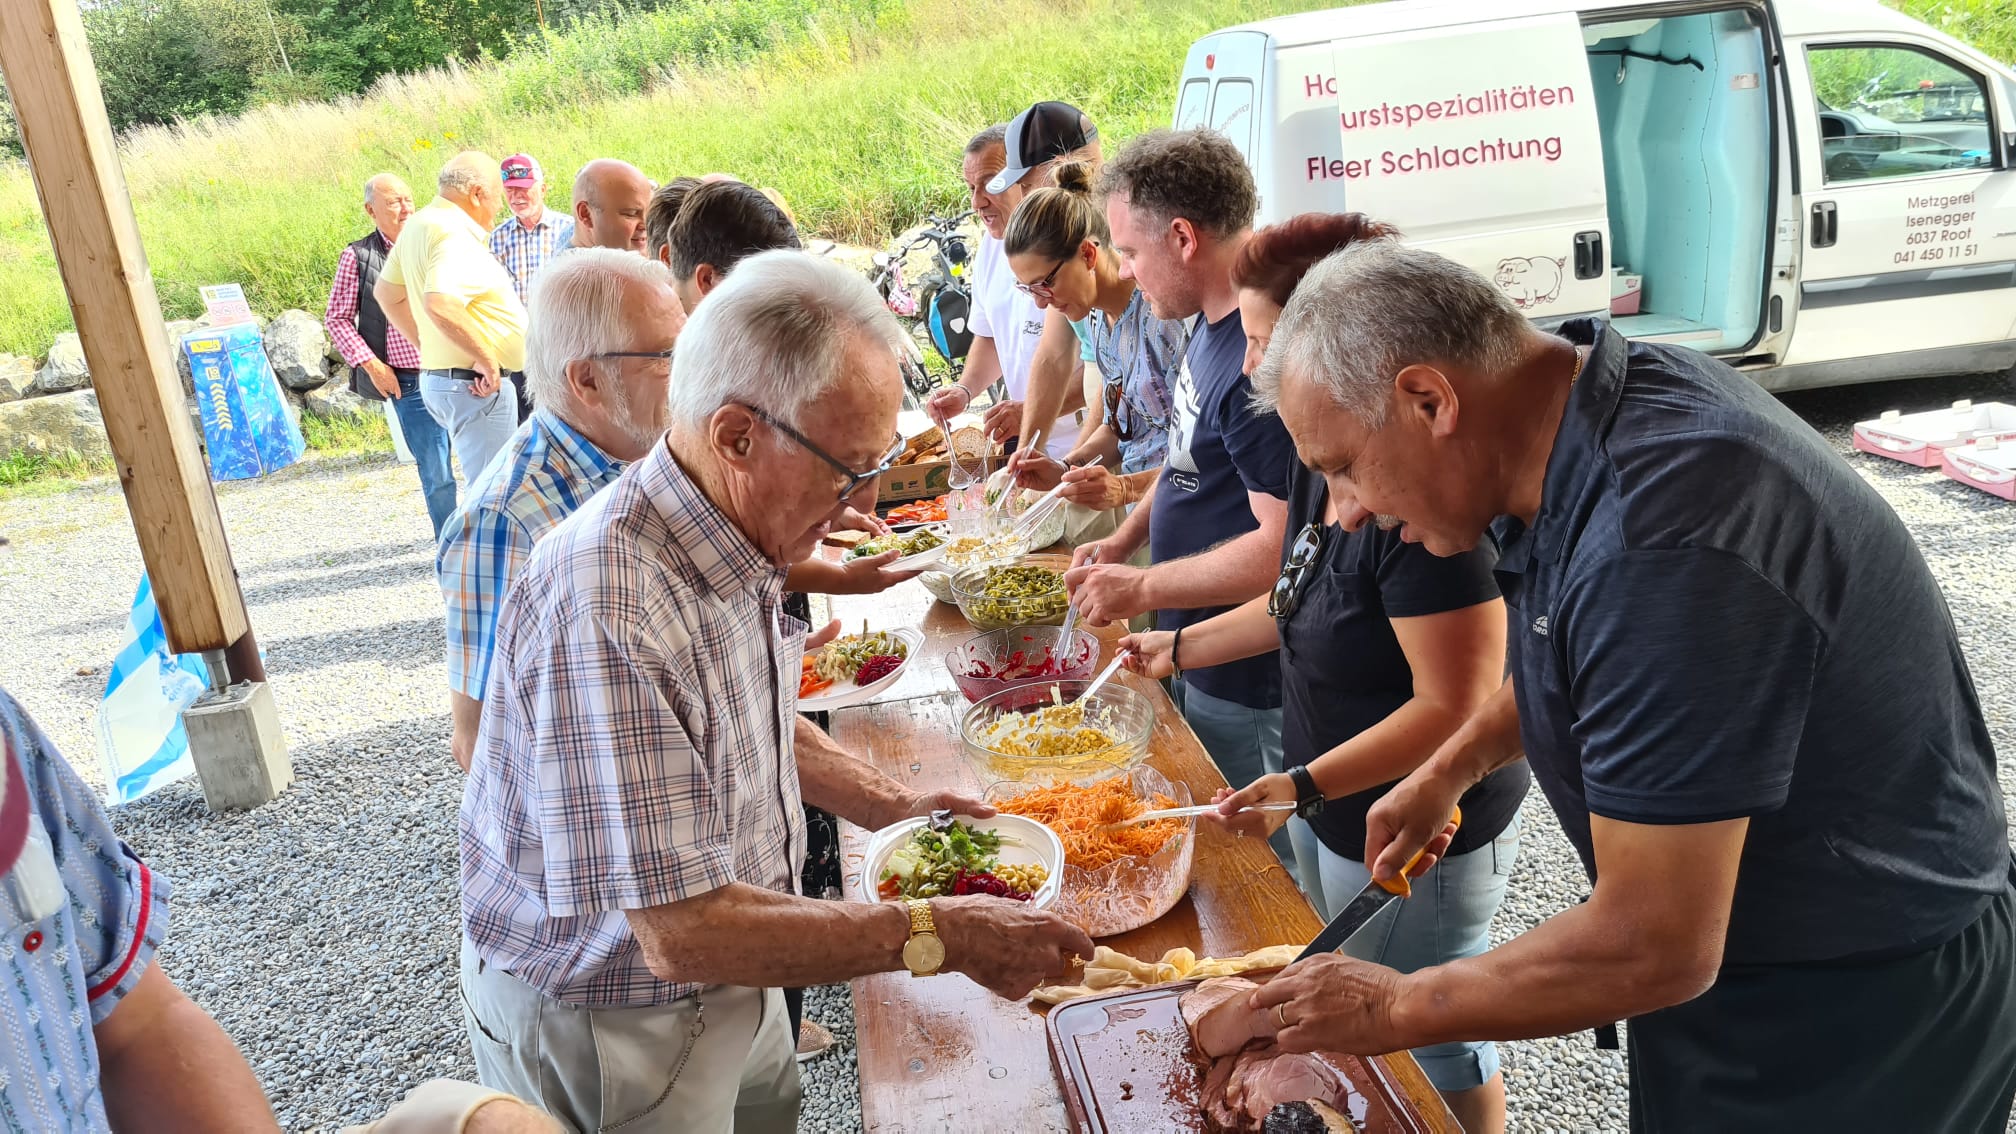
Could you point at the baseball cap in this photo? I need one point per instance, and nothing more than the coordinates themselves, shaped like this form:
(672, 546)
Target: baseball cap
(521, 171)
(1042, 133)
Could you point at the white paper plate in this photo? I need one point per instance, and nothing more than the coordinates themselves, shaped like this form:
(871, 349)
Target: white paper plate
(918, 561)
(1035, 844)
(839, 695)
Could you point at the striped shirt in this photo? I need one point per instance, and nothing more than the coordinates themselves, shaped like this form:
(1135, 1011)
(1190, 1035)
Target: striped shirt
(80, 919)
(542, 477)
(525, 250)
(341, 321)
(636, 744)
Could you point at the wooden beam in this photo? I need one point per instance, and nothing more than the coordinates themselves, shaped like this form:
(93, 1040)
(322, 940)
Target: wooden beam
(75, 163)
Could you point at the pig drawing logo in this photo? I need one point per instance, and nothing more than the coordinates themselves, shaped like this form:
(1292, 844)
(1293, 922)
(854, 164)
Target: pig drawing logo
(1530, 281)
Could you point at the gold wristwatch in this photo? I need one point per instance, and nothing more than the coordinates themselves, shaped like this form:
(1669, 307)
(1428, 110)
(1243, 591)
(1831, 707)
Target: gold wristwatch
(924, 952)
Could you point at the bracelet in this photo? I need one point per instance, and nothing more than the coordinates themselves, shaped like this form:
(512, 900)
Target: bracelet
(1176, 644)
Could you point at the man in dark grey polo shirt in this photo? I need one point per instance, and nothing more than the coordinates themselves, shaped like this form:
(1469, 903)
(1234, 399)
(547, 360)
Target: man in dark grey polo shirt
(1739, 686)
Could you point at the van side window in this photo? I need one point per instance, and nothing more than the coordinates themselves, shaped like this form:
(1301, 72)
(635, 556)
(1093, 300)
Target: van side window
(1889, 112)
(1190, 109)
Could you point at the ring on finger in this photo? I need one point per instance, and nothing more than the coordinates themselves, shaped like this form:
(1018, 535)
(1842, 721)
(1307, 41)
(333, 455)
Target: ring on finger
(1281, 1014)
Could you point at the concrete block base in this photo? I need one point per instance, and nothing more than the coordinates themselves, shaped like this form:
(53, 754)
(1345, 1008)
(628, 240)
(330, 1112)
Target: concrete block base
(235, 741)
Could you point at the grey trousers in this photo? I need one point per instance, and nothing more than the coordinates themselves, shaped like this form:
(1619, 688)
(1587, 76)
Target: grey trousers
(717, 1062)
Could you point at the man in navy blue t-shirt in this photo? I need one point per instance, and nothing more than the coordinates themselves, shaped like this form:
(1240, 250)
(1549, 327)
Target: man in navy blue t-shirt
(1737, 682)
(1180, 206)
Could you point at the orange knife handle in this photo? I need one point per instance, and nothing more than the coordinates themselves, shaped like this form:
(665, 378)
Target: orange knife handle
(1398, 884)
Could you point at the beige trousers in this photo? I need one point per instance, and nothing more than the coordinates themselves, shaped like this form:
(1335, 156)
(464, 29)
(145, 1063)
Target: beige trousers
(718, 1062)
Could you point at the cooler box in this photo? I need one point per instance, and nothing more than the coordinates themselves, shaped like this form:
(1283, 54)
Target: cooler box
(246, 426)
(1989, 465)
(1920, 438)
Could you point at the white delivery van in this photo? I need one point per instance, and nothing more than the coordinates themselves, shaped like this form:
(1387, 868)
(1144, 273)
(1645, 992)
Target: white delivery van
(1818, 191)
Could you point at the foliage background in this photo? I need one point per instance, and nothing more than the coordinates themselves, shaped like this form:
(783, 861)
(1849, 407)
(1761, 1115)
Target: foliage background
(248, 126)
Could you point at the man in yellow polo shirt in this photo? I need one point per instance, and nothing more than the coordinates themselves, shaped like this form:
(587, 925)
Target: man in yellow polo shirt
(444, 290)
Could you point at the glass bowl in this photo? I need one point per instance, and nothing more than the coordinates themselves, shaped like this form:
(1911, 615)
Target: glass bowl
(1125, 716)
(987, 663)
(1126, 894)
(1045, 608)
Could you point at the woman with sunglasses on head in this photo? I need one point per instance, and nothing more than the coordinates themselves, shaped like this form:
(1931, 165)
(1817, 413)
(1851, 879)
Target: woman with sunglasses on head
(1385, 650)
(1061, 255)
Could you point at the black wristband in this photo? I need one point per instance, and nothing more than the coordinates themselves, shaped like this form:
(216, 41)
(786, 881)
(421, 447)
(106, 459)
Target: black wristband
(1308, 797)
(1175, 645)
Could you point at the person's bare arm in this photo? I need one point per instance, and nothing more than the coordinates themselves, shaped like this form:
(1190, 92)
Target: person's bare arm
(397, 304)
(467, 713)
(1241, 632)
(451, 318)
(1650, 937)
(1229, 573)
(867, 575)
(836, 780)
(1415, 810)
(758, 938)
(164, 1067)
(1056, 380)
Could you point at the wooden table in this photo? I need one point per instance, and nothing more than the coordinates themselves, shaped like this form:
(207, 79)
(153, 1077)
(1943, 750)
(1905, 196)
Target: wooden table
(942, 1053)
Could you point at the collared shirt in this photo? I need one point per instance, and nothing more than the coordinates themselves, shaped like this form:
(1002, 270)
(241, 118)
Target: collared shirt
(636, 745)
(442, 250)
(341, 321)
(542, 477)
(1138, 357)
(1713, 617)
(80, 919)
(523, 251)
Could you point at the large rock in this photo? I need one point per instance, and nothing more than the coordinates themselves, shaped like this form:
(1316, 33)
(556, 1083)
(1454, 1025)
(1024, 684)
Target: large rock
(17, 377)
(298, 348)
(176, 329)
(60, 425)
(336, 401)
(65, 369)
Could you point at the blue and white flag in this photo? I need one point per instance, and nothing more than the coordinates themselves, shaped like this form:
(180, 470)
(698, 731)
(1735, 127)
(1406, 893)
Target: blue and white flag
(140, 736)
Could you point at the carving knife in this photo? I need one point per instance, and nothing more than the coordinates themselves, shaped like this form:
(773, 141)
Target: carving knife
(1363, 908)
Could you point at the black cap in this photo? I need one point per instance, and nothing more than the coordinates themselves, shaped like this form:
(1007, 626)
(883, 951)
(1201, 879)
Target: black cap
(1044, 132)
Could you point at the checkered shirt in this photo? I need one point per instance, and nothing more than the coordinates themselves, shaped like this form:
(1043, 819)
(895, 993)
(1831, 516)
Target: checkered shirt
(636, 745)
(525, 250)
(544, 476)
(80, 919)
(340, 320)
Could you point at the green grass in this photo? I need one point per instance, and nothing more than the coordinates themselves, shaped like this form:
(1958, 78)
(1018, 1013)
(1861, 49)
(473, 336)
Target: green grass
(348, 436)
(21, 470)
(854, 109)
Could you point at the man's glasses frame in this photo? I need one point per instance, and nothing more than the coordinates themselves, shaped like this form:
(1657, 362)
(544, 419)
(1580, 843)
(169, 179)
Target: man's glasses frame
(855, 480)
(1302, 556)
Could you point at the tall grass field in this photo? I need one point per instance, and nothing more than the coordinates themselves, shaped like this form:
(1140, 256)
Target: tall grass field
(853, 109)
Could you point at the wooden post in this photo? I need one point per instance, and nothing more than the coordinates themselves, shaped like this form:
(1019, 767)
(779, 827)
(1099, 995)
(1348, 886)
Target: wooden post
(162, 469)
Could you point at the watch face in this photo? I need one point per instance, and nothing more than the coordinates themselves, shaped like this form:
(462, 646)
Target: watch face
(923, 954)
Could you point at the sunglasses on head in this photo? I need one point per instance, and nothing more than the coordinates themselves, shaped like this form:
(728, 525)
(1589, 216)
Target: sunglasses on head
(517, 171)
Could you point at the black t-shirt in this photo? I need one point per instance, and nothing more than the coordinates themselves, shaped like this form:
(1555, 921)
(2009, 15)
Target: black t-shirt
(1342, 668)
(1219, 450)
(1714, 617)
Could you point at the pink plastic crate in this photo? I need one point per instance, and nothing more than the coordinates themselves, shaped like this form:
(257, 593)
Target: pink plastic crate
(1987, 465)
(1920, 438)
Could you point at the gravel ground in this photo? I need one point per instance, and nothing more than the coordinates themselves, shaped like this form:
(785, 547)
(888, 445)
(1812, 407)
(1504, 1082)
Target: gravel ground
(321, 929)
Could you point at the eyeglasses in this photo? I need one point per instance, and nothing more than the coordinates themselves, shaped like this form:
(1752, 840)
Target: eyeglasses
(855, 480)
(665, 354)
(1302, 557)
(1041, 288)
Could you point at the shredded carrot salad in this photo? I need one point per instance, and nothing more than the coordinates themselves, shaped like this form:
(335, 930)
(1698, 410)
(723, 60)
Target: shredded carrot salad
(1076, 814)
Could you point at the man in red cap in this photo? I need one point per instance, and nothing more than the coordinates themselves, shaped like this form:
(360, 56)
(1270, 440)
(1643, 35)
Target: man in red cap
(532, 236)
(107, 1040)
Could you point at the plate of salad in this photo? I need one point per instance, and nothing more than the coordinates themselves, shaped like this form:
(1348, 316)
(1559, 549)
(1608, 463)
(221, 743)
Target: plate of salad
(854, 667)
(918, 548)
(944, 855)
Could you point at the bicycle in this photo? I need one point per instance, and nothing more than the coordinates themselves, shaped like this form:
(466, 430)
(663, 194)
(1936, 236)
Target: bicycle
(939, 304)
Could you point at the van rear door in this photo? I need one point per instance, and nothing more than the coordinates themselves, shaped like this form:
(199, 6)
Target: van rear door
(1481, 142)
(1909, 199)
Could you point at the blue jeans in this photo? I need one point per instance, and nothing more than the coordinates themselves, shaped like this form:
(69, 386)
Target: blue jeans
(478, 428)
(1244, 742)
(1447, 919)
(428, 443)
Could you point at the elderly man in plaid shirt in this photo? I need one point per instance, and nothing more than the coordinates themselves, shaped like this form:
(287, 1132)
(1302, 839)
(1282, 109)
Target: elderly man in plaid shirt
(632, 828)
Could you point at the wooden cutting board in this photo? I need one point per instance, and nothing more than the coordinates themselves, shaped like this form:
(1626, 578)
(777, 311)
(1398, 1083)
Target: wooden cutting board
(1123, 1061)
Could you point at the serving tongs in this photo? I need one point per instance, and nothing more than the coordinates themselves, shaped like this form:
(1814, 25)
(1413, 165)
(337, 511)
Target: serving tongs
(1187, 812)
(1045, 504)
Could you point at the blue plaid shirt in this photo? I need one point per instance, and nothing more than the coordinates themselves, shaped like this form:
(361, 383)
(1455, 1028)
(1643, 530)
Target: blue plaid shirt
(525, 250)
(80, 919)
(546, 472)
(636, 745)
